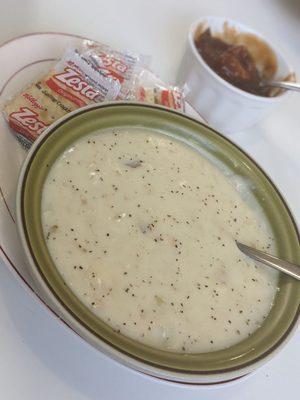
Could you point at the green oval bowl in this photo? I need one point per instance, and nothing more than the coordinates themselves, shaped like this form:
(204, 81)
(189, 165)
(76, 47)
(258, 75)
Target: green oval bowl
(231, 362)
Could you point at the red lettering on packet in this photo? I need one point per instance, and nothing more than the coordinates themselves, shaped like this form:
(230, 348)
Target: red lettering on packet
(67, 95)
(33, 101)
(28, 120)
(76, 82)
(112, 67)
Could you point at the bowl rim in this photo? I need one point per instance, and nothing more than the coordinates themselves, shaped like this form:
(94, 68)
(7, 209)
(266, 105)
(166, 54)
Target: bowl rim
(117, 353)
(250, 96)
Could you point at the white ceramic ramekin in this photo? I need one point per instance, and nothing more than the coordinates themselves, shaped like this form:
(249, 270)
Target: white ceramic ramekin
(224, 106)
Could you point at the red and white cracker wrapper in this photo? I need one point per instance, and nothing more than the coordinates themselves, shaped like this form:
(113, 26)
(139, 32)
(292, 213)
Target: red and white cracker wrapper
(71, 84)
(121, 66)
(171, 97)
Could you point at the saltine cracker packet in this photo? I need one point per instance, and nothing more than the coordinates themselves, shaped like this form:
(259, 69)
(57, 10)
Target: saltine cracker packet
(91, 73)
(71, 84)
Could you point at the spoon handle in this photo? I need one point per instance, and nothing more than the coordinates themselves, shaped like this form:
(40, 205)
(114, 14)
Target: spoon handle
(285, 85)
(272, 261)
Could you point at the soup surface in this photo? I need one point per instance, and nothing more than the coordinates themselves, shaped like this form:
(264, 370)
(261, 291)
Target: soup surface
(142, 228)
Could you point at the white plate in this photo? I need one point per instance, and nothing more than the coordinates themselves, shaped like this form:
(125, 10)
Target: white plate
(23, 59)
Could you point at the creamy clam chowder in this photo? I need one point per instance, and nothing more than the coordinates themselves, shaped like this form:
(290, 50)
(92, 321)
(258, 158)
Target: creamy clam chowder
(142, 228)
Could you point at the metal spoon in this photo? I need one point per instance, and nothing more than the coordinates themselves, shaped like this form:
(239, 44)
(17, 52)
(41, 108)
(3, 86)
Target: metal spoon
(282, 85)
(272, 261)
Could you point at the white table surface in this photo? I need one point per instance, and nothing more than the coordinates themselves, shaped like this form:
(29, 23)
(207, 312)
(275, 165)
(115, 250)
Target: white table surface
(41, 359)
